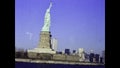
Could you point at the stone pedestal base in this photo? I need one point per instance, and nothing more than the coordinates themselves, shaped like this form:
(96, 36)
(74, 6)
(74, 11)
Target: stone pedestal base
(42, 50)
(41, 53)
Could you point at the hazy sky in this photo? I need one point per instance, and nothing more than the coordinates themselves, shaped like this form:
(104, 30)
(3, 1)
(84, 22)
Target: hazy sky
(75, 23)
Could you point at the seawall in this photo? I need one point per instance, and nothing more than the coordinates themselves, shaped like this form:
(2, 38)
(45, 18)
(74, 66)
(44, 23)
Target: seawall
(55, 62)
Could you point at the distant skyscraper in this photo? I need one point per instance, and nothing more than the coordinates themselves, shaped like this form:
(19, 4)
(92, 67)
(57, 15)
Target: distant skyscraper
(63, 52)
(97, 58)
(74, 52)
(54, 43)
(81, 54)
(91, 56)
(103, 56)
(67, 51)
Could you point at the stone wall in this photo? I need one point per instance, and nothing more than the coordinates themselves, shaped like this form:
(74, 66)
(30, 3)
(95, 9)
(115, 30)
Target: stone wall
(59, 57)
(65, 57)
(32, 55)
(72, 58)
(41, 56)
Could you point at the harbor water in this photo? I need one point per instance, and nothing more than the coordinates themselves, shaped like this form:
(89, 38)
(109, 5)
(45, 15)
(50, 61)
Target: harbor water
(47, 65)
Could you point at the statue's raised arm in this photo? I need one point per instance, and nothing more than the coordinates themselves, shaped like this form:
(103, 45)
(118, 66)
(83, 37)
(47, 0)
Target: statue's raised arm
(49, 7)
(47, 20)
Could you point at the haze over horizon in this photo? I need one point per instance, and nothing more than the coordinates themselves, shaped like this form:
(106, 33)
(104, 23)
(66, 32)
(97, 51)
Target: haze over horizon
(74, 23)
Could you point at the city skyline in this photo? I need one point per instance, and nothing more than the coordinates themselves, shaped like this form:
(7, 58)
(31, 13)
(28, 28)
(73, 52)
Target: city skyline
(75, 24)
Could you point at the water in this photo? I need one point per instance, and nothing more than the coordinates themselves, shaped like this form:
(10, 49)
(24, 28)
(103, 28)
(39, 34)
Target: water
(41, 65)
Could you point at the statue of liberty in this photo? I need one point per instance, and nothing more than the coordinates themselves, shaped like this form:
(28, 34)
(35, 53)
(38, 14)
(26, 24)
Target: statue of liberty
(47, 21)
(44, 45)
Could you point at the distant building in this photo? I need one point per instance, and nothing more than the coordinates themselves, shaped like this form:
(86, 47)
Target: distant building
(91, 57)
(67, 51)
(74, 52)
(97, 58)
(81, 54)
(19, 50)
(54, 44)
(86, 56)
(63, 52)
(103, 56)
(101, 59)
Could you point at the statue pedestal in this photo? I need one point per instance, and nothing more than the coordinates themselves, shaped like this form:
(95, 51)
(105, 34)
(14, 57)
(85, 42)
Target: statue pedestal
(44, 46)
